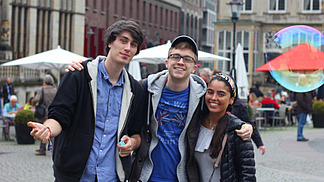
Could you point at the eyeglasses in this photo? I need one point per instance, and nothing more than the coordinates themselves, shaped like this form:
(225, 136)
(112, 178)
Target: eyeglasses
(177, 57)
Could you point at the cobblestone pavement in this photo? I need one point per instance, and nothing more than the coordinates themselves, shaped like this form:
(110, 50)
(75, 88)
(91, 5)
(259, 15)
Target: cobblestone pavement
(285, 159)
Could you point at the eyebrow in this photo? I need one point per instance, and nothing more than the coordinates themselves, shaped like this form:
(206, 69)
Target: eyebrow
(217, 91)
(128, 38)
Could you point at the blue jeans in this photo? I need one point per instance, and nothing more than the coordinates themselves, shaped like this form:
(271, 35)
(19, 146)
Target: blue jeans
(301, 124)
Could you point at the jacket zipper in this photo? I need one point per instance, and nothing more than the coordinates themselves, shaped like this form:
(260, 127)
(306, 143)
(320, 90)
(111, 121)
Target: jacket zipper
(126, 119)
(94, 127)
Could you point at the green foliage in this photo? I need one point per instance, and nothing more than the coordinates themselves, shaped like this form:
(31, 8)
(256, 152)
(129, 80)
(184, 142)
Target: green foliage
(250, 111)
(318, 107)
(23, 117)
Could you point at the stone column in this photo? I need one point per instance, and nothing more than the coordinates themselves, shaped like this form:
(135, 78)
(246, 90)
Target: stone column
(5, 47)
(78, 23)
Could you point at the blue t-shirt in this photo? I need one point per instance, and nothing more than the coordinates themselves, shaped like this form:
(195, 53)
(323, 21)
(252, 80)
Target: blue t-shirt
(171, 115)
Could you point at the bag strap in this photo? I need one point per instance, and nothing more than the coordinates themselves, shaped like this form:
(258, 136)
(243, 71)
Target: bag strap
(42, 97)
(221, 151)
(218, 157)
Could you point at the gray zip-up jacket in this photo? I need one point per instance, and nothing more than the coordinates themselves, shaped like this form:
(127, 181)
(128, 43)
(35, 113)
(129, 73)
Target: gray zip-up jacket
(155, 84)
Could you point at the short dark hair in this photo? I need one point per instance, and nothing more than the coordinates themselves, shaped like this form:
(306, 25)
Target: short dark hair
(120, 26)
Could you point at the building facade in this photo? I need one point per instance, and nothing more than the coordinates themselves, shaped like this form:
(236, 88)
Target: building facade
(29, 27)
(161, 20)
(259, 21)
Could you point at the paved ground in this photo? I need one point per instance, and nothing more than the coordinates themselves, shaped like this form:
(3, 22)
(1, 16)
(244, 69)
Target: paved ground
(285, 159)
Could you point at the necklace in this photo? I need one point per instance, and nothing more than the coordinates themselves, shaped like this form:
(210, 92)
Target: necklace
(211, 126)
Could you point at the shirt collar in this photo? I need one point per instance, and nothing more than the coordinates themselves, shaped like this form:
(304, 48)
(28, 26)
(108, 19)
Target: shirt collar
(103, 71)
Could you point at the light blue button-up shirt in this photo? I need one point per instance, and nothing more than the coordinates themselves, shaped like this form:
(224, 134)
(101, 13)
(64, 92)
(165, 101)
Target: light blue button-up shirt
(102, 159)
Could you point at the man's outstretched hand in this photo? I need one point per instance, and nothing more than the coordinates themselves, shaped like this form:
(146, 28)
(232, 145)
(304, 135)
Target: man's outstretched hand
(39, 131)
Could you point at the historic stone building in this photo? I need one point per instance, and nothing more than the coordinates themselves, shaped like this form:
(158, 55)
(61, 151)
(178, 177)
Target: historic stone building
(161, 20)
(259, 21)
(33, 26)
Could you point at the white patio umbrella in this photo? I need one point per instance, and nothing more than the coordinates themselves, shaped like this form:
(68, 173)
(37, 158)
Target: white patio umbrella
(241, 77)
(52, 59)
(159, 54)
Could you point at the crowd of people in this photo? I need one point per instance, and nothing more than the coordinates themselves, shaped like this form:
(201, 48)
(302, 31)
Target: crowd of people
(172, 126)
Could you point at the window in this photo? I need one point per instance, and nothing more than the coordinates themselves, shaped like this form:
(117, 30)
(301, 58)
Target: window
(123, 9)
(161, 16)
(166, 18)
(130, 8)
(94, 4)
(144, 11)
(277, 6)
(224, 49)
(243, 38)
(255, 50)
(116, 7)
(247, 6)
(311, 6)
(150, 13)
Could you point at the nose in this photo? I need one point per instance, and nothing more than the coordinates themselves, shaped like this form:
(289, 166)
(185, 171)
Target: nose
(214, 96)
(181, 60)
(127, 46)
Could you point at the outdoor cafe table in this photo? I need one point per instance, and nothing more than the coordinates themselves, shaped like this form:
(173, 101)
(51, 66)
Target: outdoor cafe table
(261, 111)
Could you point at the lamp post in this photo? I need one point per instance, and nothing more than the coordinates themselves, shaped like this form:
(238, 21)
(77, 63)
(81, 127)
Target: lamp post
(235, 7)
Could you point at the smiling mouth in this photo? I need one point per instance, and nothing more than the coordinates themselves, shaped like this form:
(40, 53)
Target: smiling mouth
(214, 104)
(179, 69)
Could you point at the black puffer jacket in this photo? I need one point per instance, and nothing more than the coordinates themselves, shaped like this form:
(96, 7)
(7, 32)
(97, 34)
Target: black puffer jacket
(237, 162)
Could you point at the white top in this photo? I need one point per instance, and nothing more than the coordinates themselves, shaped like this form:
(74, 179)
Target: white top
(204, 161)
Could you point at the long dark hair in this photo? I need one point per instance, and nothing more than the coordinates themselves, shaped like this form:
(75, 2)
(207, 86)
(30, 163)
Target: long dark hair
(216, 143)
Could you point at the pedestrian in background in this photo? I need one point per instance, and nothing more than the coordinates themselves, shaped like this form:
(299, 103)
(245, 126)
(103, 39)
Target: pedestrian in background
(49, 92)
(94, 109)
(29, 105)
(7, 91)
(304, 107)
(320, 93)
(253, 100)
(205, 73)
(9, 111)
(257, 90)
(0, 98)
(220, 154)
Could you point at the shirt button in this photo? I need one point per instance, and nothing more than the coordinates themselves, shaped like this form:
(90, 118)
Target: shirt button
(107, 120)
(100, 150)
(104, 135)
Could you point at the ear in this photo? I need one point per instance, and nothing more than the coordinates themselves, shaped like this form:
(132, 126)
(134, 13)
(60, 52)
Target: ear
(231, 100)
(194, 69)
(166, 63)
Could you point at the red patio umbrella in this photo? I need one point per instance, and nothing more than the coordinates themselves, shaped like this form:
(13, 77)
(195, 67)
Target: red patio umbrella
(302, 58)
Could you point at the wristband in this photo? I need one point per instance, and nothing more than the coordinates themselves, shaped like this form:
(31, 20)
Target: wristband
(50, 145)
(49, 129)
